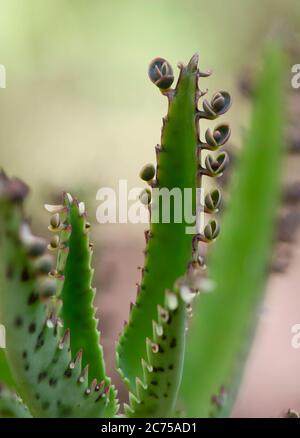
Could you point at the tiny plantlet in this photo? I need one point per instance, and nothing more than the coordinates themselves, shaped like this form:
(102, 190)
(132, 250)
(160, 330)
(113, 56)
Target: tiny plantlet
(53, 359)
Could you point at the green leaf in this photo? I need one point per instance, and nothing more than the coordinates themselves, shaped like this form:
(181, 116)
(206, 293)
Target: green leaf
(74, 277)
(49, 377)
(156, 393)
(224, 319)
(168, 250)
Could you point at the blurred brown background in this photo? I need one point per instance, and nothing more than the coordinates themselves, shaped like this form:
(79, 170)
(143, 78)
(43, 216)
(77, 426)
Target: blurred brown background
(79, 113)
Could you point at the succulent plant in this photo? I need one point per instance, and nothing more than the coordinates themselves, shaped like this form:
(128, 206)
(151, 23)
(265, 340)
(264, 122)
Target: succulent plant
(171, 255)
(225, 319)
(54, 359)
(50, 372)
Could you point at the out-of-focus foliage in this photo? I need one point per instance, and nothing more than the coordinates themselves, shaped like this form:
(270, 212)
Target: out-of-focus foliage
(224, 318)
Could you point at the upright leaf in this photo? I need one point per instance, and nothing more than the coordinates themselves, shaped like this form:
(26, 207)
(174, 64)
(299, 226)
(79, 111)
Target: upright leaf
(224, 319)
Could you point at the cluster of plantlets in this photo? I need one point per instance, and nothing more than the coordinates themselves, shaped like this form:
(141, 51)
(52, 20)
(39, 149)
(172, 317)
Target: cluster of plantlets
(173, 265)
(54, 360)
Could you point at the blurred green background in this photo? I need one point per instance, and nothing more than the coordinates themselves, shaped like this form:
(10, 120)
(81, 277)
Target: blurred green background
(79, 108)
(79, 112)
